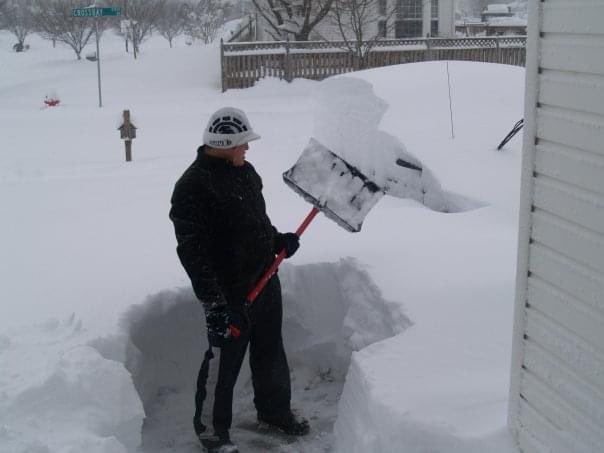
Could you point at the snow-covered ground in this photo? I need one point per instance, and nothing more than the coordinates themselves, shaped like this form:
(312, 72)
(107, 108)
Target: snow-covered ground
(100, 335)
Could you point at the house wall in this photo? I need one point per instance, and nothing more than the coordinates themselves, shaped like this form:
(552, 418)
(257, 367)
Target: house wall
(557, 379)
(446, 19)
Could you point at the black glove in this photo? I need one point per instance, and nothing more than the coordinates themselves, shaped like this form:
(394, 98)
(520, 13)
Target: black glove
(288, 241)
(226, 324)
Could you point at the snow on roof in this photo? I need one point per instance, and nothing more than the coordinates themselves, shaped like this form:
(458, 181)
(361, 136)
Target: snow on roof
(497, 9)
(513, 21)
(517, 5)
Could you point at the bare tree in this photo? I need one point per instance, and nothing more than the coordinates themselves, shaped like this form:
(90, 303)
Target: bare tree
(361, 24)
(143, 16)
(3, 20)
(204, 19)
(16, 17)
(53, 21)
(172, 21)
(292, 18)
(121, 28)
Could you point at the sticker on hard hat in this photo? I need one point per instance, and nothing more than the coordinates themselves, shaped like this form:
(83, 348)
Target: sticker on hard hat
(220, 142)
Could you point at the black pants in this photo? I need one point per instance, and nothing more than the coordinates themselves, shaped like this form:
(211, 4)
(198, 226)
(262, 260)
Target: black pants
(270, 371)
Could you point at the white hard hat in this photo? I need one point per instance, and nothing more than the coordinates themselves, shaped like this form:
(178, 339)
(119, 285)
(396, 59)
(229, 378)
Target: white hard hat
(227, 128)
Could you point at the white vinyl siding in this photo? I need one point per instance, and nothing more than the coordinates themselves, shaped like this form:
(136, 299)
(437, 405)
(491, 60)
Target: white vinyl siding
(557, 386)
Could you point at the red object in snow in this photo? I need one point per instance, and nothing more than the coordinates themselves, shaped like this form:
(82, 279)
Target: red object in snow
(51, 102)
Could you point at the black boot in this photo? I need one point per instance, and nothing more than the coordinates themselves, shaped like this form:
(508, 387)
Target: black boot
(198, 426)
(218, 443)
(288, 423)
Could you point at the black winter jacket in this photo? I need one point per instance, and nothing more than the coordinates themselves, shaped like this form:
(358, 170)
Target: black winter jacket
(225, 238)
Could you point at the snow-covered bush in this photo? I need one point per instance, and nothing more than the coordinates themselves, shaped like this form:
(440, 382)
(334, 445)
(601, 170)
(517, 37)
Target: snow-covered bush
(204, 19)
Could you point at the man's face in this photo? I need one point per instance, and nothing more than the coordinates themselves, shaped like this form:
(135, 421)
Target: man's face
(237, 154)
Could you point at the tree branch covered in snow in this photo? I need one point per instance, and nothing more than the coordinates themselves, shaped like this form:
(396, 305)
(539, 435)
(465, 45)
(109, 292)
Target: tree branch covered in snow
(171, 22)
(53, 21)
(143, 16)
(204, 19)
(361, 24)
(295, 18)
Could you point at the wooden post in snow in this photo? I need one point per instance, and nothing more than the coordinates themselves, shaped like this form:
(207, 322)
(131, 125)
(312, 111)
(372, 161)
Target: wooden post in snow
(288, 63)
(222, 68)
(127, 133)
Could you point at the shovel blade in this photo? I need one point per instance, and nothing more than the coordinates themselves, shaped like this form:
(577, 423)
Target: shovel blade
(335, 187)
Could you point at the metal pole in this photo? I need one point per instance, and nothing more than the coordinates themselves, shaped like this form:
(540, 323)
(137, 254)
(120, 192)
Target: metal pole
(132, 25)
(450, 103)
(98, 63)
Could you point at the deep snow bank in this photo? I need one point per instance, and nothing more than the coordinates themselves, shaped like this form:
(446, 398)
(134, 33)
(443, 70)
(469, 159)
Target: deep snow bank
(60, 395)
(373, 415)
(442, 386)
(330, 309)
(68, 391)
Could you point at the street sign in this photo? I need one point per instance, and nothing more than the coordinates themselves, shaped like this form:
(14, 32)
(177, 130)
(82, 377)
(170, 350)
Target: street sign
(96, 12)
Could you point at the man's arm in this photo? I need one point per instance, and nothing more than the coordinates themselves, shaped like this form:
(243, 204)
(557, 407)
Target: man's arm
(192, 235)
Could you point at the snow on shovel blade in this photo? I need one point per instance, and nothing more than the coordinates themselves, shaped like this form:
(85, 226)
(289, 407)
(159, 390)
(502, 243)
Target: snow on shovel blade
(335, 187)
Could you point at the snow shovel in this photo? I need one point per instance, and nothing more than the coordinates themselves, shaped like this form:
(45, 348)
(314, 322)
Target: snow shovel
(332, 186)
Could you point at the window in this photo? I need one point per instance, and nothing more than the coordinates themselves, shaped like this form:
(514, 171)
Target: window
(434, 18)
(409, 9)
(409, 19)
(382, 7)
(407, 28)
(434, 9)
(382, 28)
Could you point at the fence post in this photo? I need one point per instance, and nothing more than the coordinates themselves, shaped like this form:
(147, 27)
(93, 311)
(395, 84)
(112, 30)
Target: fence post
(428, 55)
(222, 65)
(498, 51)
(288, 67)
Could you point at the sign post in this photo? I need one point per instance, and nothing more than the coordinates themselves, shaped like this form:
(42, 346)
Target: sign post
(98, 62)
(127, 133)
(96, 13)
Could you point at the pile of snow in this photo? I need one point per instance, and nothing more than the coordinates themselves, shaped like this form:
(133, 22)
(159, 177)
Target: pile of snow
(348, 114)
(231, 27)
(83, 232)
(442, 385)
(330, 310)
(60, 395)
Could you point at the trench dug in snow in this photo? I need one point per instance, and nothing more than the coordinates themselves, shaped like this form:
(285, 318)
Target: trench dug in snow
(330, 310)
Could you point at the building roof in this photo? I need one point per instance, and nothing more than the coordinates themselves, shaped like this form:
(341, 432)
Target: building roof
(497, 9)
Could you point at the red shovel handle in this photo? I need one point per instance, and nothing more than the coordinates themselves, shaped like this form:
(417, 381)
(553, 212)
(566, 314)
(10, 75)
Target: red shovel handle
(271, 270)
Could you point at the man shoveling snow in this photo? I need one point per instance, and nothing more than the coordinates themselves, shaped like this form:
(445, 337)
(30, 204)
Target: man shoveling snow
(225, 242)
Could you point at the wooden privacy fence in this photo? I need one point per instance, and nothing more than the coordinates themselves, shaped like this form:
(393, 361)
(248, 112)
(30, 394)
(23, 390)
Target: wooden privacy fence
(244, 63)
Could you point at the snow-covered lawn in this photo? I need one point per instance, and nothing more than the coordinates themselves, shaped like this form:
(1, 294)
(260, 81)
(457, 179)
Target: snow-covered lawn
(98, 326)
